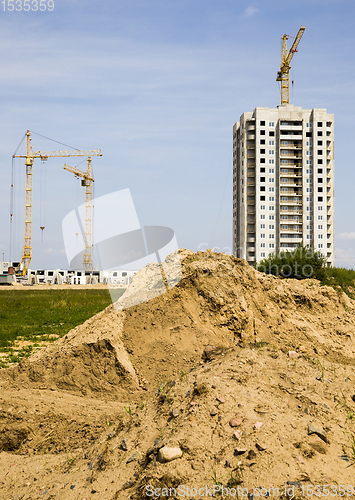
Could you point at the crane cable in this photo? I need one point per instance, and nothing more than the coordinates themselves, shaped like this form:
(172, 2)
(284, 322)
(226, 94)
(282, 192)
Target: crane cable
(43, 190)
(58, 142)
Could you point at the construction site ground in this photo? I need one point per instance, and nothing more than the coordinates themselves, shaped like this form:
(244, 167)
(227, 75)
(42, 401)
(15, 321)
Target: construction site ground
(230, 380)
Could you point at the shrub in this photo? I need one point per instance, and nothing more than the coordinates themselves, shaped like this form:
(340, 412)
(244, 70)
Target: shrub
(301, 263)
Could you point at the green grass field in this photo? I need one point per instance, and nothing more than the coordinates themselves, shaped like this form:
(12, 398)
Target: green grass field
(35, 317)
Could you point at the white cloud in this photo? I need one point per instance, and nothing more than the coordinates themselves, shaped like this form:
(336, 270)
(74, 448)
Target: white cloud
(345, 258)
(346, 236)
(250, 11)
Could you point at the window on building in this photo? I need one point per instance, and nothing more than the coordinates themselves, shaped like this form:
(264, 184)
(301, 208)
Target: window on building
(308, 190)
(320, 124)
(271, 217)
(309, 199)
(262, 123)
(271, 189)
(271, 124)
(272, 236)
(262, 179)
(262, 132)
(320, 236)
(271, 151)
(309, 236)
(309, 228)
(309, 125)
(308, 171)
(309, 162)
(309, 181)
(320, 161)
(262, 254)
(262, 226)
(262, 207)
(320, 217)
(262, 141)
(271, 143)
(271, 133)
(262, 235)
(320, 245)
(320, 208)
(319, 133)
(309, 217)
(262, 151)
(271, 226)
(262, 188)
(262, 170)
(308, 134)
(320, 180)
(320, 190)
(320, 170)
(320, 226)
(271, 171)
(262, 245)
(309, 153)
(262, 216)
(262, 198)
(309, 143)
(262, 160)
(271, 198)
(271, 162)
(272, 208)
(271, 245)
(319, 143)
(320, 152)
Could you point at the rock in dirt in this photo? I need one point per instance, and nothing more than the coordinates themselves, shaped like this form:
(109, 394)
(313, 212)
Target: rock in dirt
(319, 432)
(234, 422)
(167, 454)
(317, 444)
(260, 446)
(240, 451)
(124, 445)
(132, 458)
(213, 411)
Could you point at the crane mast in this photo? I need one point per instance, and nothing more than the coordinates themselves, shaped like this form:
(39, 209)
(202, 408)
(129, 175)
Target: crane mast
(29, 158)
(284, 73)
(87, 181)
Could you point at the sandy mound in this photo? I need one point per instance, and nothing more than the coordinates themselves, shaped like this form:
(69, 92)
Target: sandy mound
(90, 358)
(195, 388)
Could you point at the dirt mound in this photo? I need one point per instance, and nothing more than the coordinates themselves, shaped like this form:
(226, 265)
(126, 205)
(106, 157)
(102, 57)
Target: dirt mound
(229, 379)
(89, 359)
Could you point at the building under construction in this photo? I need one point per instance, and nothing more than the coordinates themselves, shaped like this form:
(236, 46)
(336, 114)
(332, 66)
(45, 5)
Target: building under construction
(118, 277)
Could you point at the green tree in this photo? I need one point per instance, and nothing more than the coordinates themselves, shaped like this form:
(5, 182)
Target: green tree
(301, 263)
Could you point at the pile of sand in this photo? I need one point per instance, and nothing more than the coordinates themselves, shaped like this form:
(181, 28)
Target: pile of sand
(215, 349)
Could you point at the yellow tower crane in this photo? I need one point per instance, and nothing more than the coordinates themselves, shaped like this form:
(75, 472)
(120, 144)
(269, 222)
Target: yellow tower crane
(283, 74)
(30, 156)
(87, 181)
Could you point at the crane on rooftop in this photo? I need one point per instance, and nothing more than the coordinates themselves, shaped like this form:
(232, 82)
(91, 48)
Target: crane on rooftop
(283, 74)
(30, 156)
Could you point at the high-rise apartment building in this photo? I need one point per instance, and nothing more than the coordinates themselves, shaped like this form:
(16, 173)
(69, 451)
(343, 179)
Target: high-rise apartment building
(283, 182)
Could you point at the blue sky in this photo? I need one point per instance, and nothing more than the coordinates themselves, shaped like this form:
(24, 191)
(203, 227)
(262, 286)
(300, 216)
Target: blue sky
(158, 85)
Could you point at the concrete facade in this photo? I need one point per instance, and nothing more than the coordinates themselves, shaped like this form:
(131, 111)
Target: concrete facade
(283, 182)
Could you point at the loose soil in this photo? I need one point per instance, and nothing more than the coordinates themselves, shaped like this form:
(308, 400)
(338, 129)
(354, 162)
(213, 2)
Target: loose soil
(246, 361)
